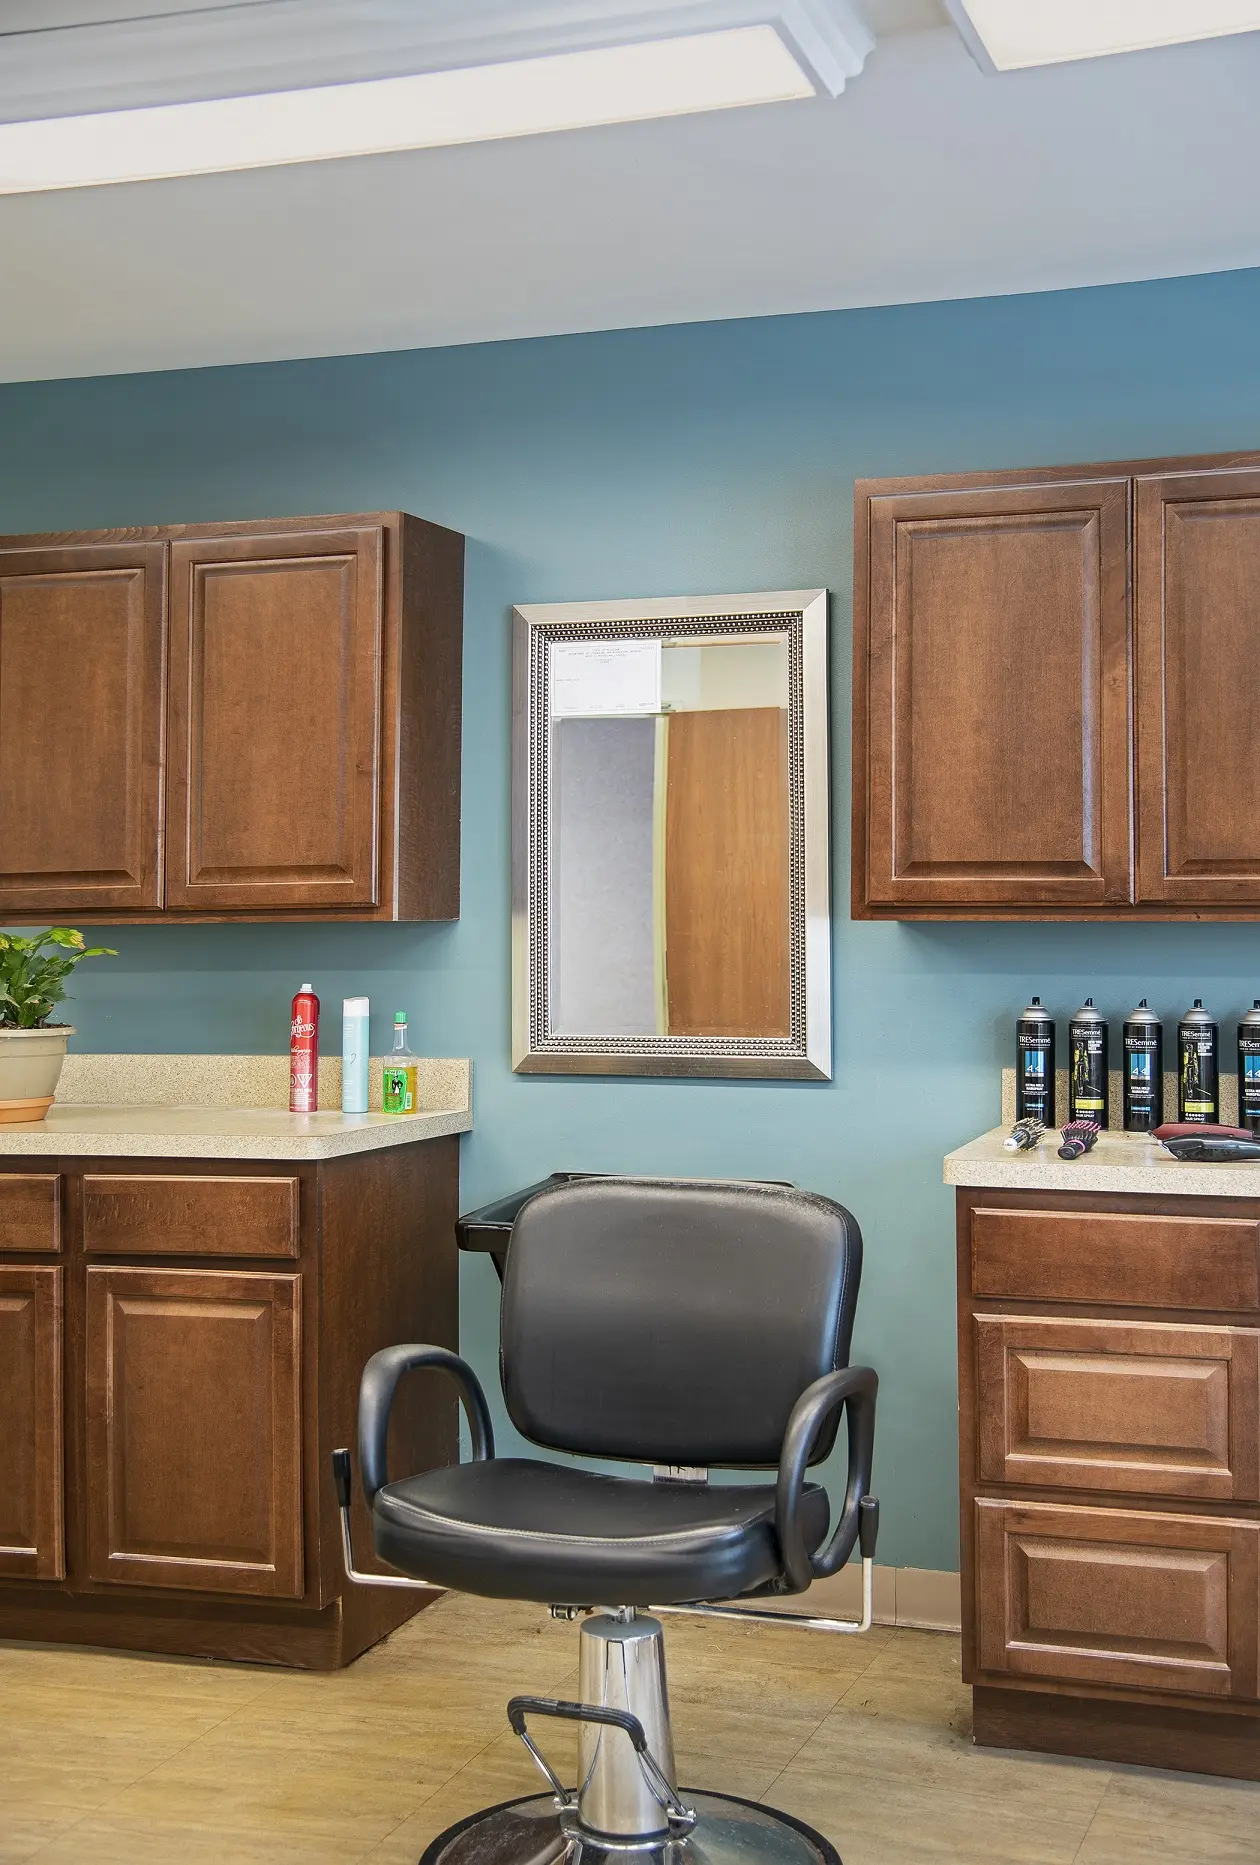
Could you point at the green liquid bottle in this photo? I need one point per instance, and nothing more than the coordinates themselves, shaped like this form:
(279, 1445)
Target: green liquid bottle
(398, 1078)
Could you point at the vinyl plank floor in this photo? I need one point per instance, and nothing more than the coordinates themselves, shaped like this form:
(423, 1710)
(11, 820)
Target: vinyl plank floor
(134, 1761)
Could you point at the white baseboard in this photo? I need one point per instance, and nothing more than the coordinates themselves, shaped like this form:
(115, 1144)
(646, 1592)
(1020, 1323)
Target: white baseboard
(918, 1596)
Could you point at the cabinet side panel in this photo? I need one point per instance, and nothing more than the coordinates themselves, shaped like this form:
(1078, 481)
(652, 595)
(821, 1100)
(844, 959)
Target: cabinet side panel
(429, 721)
(389, 1273)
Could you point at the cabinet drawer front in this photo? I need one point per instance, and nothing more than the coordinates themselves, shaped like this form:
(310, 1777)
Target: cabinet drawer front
(194, 1432)
(1141, 1406)
(32, 1542)
(1116, 1258)
(138, 1214)
(30, 1211)
(1120, 1597)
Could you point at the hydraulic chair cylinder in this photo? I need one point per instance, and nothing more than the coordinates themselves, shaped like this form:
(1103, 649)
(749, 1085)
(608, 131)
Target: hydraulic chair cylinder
(621, 1666)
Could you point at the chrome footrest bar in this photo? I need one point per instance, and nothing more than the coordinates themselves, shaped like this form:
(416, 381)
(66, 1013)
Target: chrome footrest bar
(810, 1622)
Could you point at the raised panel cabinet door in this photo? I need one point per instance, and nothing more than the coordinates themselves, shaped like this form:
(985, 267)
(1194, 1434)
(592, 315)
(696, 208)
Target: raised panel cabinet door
(1140, 1406)
(82, 637)
(1117, 1597)
(32, 1540)
(194, 1430)
(274, 720)
(992, 698)
(1198, 687)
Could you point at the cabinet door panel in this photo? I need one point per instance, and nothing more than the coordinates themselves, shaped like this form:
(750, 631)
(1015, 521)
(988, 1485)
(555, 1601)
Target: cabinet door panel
(274, 720)
(1121, 1597)
(81, 648)
(1198, 560)
(194, 1430)
(992, 710)
(32, 1542)
(1139, 1406)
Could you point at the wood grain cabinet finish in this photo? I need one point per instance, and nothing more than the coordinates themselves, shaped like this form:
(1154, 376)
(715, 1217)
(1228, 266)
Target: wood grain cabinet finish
(1198, 544)
(217, 1319)
(1066, 1251)
(255, 720)
(1055, 693)
(30, 1212)
(188, 1214)
(31, 1535)
(194, 1429)
(1115, 1597)
(82, 630)
(1141, 1406)
(274, 726)
(992, 697)
(1109, 1469)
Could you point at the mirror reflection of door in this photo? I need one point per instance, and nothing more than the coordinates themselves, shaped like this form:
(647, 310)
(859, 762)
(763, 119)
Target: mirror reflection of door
(669, 838)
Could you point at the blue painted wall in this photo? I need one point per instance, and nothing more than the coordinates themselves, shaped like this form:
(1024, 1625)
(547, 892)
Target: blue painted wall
(665, 462)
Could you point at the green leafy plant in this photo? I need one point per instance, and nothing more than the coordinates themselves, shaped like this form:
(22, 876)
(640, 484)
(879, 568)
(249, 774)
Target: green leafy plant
(33, 979)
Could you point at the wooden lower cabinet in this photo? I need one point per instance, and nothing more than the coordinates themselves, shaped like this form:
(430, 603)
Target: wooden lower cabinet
(1109, 1454)
(31, 1538)
(177, 1414)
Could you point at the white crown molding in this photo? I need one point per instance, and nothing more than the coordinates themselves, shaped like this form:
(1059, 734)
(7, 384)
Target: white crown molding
(262, 45)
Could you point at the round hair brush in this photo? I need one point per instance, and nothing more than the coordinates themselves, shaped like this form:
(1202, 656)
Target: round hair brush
(1078, 1137)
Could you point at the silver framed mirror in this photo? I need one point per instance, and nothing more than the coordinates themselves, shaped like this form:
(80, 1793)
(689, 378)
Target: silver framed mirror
(670, 845)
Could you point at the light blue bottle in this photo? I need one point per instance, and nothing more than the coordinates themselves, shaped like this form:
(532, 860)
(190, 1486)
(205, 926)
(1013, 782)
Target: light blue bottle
(354, 1055)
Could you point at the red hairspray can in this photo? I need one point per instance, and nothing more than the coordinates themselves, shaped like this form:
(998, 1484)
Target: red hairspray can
(304, 1053)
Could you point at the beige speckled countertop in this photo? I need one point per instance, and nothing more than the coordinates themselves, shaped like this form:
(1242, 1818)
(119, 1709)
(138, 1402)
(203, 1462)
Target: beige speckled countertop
(228, 1107)
(1119, 1162)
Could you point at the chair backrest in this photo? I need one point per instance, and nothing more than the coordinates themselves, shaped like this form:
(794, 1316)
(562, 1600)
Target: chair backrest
(674, 1321)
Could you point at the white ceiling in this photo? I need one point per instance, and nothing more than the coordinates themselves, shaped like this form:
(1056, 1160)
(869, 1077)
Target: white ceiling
(925, 179)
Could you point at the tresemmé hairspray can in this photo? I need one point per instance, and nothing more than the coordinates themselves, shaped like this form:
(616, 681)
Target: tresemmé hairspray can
(1198, 1049)
(1034, 1065)
(1087, 1065)
(1249, 1069)
(1143, 1077)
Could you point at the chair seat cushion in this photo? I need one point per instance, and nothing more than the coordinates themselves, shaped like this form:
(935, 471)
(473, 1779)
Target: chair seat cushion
(518, 1528)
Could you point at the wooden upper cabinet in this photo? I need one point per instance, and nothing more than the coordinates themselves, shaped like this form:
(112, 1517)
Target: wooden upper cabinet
(275, 720)
(232, 721)
(1198, 665)
(991, 697)
(81, 677)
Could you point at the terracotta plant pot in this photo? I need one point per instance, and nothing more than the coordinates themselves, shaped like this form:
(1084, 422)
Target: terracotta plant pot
(30, 1068)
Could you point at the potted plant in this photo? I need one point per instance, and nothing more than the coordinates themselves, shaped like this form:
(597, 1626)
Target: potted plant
(33, 975)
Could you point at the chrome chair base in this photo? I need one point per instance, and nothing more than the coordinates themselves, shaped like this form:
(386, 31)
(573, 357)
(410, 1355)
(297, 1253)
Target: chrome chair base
(533, 1831)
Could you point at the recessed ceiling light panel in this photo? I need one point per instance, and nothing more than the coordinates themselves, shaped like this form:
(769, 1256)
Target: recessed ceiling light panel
(1013, 34)
(527, 97)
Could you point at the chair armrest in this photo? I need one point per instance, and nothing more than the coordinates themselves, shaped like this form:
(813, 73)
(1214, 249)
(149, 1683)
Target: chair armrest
(376, 1397)
(854, 1387)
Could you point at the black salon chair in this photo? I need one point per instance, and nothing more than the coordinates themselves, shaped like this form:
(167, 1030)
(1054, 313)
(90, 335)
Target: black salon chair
(681, 1324)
